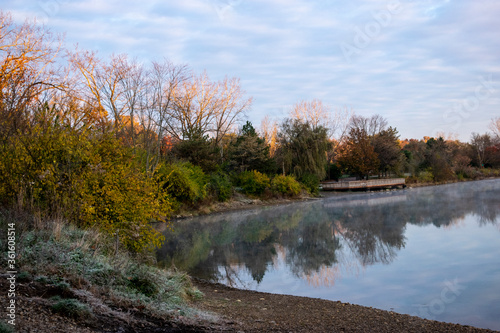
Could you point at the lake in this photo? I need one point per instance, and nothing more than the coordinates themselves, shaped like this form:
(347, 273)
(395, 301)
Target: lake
(433, 252)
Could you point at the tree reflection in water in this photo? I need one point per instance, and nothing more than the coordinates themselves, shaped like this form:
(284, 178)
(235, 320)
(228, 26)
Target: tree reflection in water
(318, 240)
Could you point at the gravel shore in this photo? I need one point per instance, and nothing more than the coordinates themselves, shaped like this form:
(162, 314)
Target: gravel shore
(231, 310)
(250, 311)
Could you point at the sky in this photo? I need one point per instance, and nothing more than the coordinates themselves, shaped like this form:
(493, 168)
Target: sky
(427, 66)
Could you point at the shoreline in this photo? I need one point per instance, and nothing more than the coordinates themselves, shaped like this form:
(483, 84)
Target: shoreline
(426, 325)
(221, 309)
(243, 202)
(252, 311)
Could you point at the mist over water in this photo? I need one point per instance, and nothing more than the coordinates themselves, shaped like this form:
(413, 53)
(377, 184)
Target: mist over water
(432, 252)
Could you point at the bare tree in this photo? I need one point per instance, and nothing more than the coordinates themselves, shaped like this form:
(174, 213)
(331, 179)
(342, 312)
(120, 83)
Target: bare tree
(87, 83)
(371, 126)
(231, 105)
(111, 87)
(314, 112)
(134, 89)
(112, 77)
(27, 68)
(479, 143)
(193, 111)
(203, 107)
(495, 127)
(340, 125)
(163, 84)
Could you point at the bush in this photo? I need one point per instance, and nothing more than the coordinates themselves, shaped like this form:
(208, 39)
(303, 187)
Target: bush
(221, 186)
(71, 308)
(253, 182)
(441, 170)
(143, 285)
(411, 180)
(120, 199)
(466, 173)
(183, 181)
(285, 185)
(425, 176)
(311, 183)
(89, 178)
(487, 172)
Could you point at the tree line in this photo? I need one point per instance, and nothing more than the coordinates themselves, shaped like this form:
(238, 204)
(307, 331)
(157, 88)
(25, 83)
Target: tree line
(115, 144)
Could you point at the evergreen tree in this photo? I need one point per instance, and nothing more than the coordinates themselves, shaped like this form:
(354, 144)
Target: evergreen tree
(250, 152)
(199, 150)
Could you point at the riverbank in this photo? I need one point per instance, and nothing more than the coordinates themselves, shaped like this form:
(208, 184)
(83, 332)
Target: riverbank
(251, 311)
(226, 310)
(243, 202)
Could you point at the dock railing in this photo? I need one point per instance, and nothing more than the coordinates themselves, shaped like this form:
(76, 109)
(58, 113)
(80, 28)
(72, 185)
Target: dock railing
(363, 184)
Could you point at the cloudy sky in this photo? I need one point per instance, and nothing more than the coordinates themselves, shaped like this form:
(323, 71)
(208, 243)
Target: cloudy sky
(428, 66)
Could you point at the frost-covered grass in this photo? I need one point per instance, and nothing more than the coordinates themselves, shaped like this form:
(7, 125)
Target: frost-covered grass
(64, 256)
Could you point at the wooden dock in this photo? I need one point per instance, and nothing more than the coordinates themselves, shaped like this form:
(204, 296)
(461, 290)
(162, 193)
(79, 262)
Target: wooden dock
(363, 184)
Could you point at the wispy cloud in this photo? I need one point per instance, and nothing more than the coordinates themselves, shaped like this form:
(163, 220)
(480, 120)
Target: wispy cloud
(421, 57)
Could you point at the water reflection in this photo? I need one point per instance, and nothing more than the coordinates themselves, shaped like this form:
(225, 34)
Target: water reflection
(318, 240)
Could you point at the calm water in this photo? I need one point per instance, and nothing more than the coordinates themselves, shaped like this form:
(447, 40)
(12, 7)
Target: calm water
(432, 252)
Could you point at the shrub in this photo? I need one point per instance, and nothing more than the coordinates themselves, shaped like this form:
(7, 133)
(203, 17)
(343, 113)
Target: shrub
(71, 308)
(89, 178)
(466, 173)
(425, 176)
(411, 180)
(183, 181)
(487, 172)
(221, 186)
(441, 170)
(311, 183)
(285, 185)
(143, 285)
(253, 182)
(124, 201)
